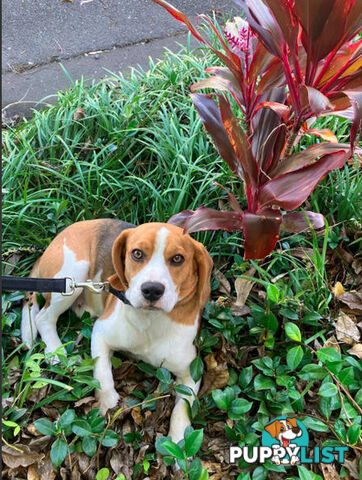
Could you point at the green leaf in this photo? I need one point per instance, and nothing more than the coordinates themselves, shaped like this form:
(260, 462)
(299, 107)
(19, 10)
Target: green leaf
(89, 446)
(110, 439)
(58, 451)
(193, 442)
(195, 469)
(220, 399)
(263, 383)
(81, 428)
(164, 375)
(273, 293)
(204, 475)
(340, 430)
(314, 424)
(183, 390)
(102, 474)
(173, 449)
(223, 398)
(346, 376)
(305, 474)
(260, 473)
(245, 377)
(294, 357)
(45, 427)
(312, 372)
(66, 418)
(239, 406)
(328, 354)
(328, 390)
(354, 432)
(196, 369)
(159, 445)
(293, 332)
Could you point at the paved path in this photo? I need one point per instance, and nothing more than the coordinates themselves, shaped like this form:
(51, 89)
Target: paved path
(37, 36)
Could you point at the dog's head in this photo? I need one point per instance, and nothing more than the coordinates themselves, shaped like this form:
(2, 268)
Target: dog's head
(158, 266)
(284, 430)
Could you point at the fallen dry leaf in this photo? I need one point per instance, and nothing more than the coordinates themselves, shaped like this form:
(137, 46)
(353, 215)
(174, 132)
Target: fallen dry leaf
(136, 415)
(356, 350)
(224, 286)
(333, 343)
(357, 265)
(353, 300)
(352, 467)
(346, 330)
(84, 401)
(329, 472)
(216, 374)
(79, 114)
(32, 474)
(243, 287)
(338, 289)
(22, 458)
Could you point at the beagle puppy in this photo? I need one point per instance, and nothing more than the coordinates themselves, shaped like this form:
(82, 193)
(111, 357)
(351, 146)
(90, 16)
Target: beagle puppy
(284, 431)
(166, 279)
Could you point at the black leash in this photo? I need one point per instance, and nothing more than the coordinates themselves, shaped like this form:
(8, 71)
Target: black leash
(58, 285)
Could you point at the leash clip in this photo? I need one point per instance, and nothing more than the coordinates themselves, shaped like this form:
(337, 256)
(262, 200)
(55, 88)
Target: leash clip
(94, 287)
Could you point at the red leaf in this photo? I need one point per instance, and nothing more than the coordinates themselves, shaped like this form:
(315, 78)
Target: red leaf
(279, 108)
(290, 190)
(269, 136)
(355, 97)
(180, 218)
(323, 24)
(181, 17)
(208, 219)
(273, 77)
(295, 222)
(223, 80)
(307, 157)
(324, 133)
(234, 204)
(285, 18)
(313, 100)
(261, 232)
(263, 24)
(262, 60)
(347, 53)
(211, 118)
(240, 144)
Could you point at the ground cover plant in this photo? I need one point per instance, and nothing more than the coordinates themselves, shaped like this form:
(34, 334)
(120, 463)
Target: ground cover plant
(279, 336)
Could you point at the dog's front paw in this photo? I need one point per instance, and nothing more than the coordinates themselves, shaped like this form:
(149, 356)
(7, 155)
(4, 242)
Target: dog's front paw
(276, 460)
(107, 400)
(294, 460)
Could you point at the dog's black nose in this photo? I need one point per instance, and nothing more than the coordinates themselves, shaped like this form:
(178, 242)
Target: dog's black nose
(295, 429)
(152, 291)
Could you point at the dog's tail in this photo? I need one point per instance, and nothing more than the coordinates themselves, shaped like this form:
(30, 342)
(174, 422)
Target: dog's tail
(30, 311)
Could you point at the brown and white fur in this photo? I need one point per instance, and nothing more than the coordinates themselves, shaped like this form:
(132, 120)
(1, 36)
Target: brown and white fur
(285, 431)
(167, 285)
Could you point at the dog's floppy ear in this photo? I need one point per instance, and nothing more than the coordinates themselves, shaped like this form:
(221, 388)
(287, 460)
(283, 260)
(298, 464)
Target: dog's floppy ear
(204, 268)
(272, 429)
(292, 421)
(118, 280)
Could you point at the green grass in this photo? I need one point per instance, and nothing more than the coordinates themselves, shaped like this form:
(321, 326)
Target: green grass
(141, 154)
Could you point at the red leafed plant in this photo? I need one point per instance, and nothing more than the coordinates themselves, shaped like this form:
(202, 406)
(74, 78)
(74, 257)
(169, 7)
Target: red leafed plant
(287, 63)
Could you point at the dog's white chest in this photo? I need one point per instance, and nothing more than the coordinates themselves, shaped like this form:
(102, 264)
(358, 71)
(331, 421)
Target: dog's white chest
(149, 335)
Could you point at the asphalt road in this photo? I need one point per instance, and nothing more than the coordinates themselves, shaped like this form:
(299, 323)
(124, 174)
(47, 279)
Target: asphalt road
(37, 36)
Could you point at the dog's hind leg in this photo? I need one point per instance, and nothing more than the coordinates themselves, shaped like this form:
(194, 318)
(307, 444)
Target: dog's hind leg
(46, 320)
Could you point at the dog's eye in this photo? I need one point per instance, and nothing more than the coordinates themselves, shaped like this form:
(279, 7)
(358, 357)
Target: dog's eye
(177, 259)
(137, 254)
(282, 429)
